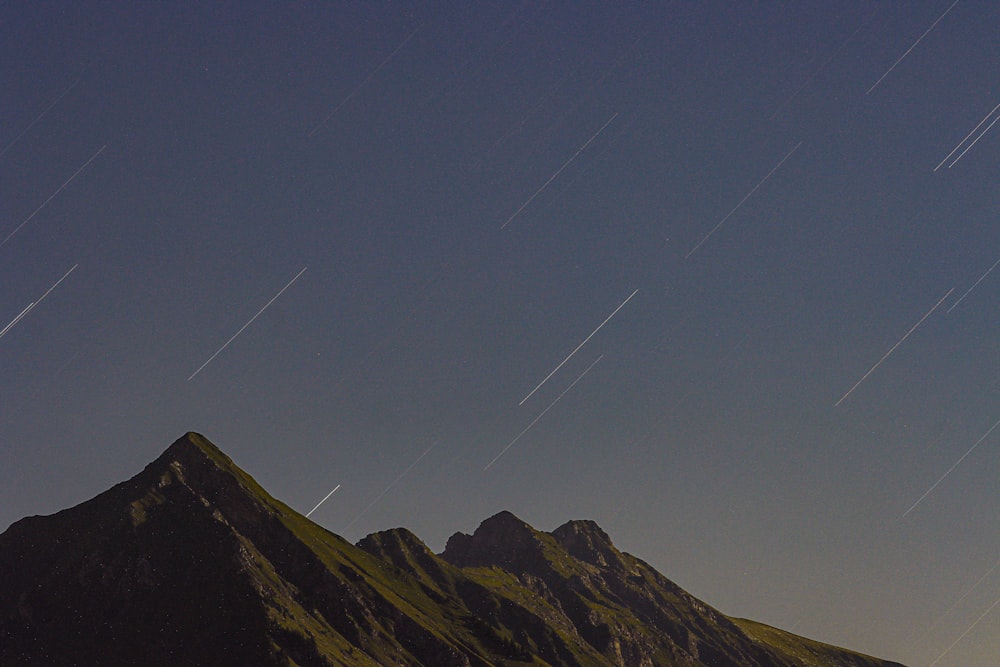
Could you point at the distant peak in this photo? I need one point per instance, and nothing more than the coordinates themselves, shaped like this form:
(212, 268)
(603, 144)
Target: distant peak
(405, 550)
(584, 528)
(585, 540)
(394, 538)
(504, 528)
(500, 539)
(504, 519)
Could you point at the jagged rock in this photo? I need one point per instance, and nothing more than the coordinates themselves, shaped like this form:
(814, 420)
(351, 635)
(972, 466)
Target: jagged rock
(502, 540)
(192, 562)
(585, 540)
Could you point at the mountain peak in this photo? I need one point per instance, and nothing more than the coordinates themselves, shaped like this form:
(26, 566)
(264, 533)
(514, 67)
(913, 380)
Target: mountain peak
(196, 463)
(502, 539)
(192, 562)
(584, 528)
(194, 450)
(585, 540)
(504, 521)
(193, 440)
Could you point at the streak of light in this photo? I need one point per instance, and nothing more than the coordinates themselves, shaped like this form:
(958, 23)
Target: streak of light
(743, 201)
(821, 67)
(17, 319)
(577, 348)
(948, 472)
(322, 501)
(53, 196)
(39, 117)
(974, 142)
(361, 85)
(577, 174)
(964, 595)
(541, 414)
(967, 631)
(519, 126)
(56, 284)
(266, 305)
(966, 138)
(911, 48)
(32, 305)
(558, 171)
(893, 348)
(391, 484)
(973, 286)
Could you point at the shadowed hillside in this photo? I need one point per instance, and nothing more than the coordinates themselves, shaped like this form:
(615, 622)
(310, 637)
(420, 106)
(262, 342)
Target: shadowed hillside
(192, 562)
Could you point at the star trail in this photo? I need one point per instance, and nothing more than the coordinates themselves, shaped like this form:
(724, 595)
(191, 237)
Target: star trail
(801, 198)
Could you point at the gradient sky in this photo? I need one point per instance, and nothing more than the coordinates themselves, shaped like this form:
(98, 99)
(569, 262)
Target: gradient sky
(473, 188)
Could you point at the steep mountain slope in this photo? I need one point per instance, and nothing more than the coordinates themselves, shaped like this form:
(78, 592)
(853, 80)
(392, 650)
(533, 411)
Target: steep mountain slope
(619, 605)
(191, 562)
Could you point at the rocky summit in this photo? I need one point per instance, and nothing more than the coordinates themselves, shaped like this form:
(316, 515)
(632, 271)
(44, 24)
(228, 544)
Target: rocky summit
(191, 562)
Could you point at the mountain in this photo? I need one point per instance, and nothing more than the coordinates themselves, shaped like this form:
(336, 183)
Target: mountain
(191, 562)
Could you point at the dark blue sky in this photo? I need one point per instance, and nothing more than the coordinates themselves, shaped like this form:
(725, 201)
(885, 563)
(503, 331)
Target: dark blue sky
(473, 188)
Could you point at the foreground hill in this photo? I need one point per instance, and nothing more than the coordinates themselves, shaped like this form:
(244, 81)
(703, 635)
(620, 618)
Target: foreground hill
(191, 562)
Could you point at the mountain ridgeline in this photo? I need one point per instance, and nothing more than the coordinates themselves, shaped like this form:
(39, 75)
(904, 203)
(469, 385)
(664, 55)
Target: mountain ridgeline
(191, 562)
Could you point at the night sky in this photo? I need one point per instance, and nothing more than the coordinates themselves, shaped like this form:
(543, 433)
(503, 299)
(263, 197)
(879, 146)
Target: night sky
(738, 254)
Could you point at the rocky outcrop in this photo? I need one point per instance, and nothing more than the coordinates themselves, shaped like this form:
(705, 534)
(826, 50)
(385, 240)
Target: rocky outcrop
(622, 608)
(584, 540)
(192, 562)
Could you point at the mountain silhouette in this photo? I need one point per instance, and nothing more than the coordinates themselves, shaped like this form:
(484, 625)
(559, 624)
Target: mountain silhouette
(191, 562)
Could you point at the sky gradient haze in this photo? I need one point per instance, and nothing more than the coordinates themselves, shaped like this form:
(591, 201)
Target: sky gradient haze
(716, 275)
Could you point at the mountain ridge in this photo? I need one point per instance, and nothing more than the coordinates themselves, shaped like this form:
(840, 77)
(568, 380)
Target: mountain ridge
(192, 562)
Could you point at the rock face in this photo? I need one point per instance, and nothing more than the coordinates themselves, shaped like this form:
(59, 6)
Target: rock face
(617, 604)
(191, 562)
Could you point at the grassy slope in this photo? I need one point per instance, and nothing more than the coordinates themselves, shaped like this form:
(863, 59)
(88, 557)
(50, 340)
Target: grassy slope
(392, 599)
(803, 651)
(431, 597)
